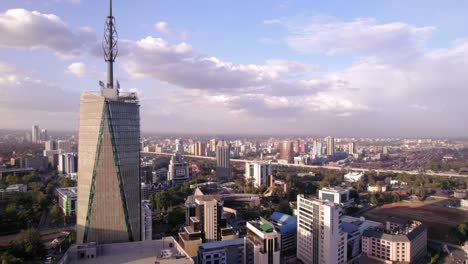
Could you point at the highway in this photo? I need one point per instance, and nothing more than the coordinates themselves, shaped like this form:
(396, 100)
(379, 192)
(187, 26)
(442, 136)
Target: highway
(442, 174)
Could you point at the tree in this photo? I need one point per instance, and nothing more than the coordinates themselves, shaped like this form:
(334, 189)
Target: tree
(10, 259)
(55, 212)
(461, 231)
(161, 199)
(28, 245)
(176, 217)
(373, 199)
(66, 182)
(285, 208)
(395, 197)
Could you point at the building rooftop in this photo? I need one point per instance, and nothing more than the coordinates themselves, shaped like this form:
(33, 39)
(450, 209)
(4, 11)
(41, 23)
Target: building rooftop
(407, 234)
(140, 252)
(70, 191)
(284, 223)
(223, 243)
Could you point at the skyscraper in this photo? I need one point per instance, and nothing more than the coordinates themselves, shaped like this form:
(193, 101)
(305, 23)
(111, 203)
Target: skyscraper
(44, 135)
(109, 159)
(199, 149)
(351, 148)
(286, 151)
(330, 146)
(223, 160)
(320, 238)
(35, 134)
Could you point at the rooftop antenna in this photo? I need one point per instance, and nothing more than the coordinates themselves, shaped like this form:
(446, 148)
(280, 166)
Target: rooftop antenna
(109, 46)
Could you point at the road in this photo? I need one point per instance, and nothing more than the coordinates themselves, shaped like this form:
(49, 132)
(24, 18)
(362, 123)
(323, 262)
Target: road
(443, 174)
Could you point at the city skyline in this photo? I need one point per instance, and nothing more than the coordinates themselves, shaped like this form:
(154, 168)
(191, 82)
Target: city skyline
(371, 70)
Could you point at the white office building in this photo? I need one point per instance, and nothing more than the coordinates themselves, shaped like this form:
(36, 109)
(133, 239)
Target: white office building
(336, 195)
(262, 243)
(67, 163)
(146, 224)
(178, 172)
(320, 238)
(67, 200)
(258, 172)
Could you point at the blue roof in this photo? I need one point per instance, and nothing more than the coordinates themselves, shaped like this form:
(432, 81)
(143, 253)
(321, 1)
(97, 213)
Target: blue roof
(286, 224)
(349, 227)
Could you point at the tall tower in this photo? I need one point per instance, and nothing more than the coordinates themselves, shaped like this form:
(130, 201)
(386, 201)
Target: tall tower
(223, 160)
(108, 207)
(286, 152)
(330, 146)
(35, 136)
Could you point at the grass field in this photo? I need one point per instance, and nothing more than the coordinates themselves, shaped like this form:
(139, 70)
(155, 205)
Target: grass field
(433, 213)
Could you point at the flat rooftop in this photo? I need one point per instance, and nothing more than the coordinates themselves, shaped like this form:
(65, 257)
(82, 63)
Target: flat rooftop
(140, 252)
(70, 191)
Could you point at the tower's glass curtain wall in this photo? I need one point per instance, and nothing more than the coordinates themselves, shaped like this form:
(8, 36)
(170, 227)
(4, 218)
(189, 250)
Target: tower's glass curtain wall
(108, 208)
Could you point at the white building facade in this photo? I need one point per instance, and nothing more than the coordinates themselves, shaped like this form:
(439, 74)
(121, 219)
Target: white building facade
(258, 171)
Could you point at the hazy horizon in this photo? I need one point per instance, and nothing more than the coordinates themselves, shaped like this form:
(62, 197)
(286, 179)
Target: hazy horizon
(357, 69)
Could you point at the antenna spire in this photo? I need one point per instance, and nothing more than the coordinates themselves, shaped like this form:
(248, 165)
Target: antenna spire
(109, 46)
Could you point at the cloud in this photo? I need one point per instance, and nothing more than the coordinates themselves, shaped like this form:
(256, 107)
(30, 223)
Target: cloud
(18, 90)
(82, 70)
(21, 28)
(162, 27)
(361, 36)
(418, 107)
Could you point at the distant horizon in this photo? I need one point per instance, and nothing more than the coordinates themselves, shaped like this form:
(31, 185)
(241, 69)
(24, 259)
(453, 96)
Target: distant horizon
(182, 134)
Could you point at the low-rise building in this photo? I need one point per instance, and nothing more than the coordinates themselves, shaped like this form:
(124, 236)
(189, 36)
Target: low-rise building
(67, 200)
(17, 188)
(378, 187)
(353, 176)
(222, 252)
(464, 204)
(460, 194)
(393, 244)
(355, 227)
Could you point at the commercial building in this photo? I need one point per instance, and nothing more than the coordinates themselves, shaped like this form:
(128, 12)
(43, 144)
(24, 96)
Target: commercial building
(396, 243)
(286, 152)
(178, 171)
(67, 163)
(330, 141)
(338, 195)
(351, 148)
(64, 146)
(286, 225)
(223, 160)
(35, 134)
(204, 220)
(199, 149)
(262, 243)
(354, 228)
(146, 220)
(320, 238)
(67, 200)
(317, 148)
(109, 160)
(258, 172)
(353, 176)
(222, 252)
(378, 187)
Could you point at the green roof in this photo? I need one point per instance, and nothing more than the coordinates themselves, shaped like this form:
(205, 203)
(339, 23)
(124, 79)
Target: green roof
(266, 228)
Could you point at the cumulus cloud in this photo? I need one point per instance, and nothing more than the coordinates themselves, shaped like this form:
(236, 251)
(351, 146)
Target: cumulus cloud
(21, 28)
(162, 26)
(83, 70)
(18, 90)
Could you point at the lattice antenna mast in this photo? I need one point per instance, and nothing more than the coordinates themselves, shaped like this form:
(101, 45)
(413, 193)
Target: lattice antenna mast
(109, 46)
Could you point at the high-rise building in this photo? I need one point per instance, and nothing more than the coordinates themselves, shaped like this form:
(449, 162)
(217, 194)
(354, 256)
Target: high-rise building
(179, 146)
(351, 148)
(50, 145)
(199, 149)
(223, 160)
(330, 146)
(320, 238)
(258, 172)
(178, 171)
(35, 134)
(44, 136)
(317, 148)
(204, 220)
(212, 145)
(262, 243)
(64, 146)
(109, 159)
(67, 163)
(286, 153)
(286, 225)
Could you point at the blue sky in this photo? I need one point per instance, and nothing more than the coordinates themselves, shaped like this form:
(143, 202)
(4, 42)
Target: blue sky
(359, 68)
